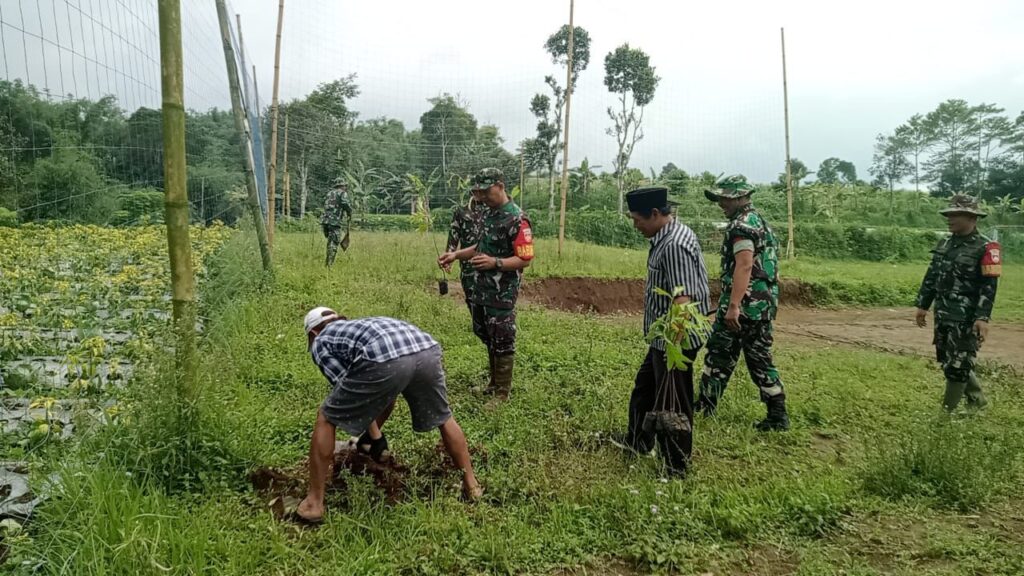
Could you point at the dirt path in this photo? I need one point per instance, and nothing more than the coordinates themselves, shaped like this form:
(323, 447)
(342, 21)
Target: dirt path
(891, 330)
(886, 329)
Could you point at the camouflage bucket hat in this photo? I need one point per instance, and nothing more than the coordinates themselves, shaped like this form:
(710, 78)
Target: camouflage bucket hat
(963, 204)
(340, 183)
(732, 186)
(487, 177)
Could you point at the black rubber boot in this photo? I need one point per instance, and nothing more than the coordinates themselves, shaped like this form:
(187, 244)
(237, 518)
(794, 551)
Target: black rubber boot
(503, 368)
(777, 418)
(706, 406)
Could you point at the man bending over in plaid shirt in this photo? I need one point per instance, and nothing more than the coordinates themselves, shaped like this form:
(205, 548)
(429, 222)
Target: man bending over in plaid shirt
(369, 362)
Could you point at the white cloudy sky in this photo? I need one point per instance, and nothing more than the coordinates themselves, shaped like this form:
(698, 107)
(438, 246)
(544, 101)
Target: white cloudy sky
(855, 69)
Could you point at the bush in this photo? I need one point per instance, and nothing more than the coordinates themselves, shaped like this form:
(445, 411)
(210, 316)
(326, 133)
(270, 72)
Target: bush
(8, 218)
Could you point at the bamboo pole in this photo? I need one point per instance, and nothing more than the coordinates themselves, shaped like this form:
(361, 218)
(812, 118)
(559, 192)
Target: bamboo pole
(272, 194)
(176, 206)
(244, 137)
(287, 211)
(565, 138)
(522, 181)
(790, 252)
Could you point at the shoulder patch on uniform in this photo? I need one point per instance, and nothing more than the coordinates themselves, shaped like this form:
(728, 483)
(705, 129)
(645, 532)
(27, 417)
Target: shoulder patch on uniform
(992, 260)
(523, 243)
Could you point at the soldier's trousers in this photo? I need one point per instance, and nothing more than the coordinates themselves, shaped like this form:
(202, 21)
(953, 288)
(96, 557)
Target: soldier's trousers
(496, 328)
(956, 348)
(333, 235)
(754, 340)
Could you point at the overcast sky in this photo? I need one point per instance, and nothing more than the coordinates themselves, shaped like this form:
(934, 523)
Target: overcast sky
(855, 69)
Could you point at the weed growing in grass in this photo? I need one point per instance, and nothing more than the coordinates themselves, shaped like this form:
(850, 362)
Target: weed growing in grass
(957, 462)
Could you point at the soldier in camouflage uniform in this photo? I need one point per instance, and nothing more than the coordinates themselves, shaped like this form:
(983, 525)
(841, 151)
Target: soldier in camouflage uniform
(961, 282)
(504, 249)
(464, 232)
(336, 206)
(747, 306)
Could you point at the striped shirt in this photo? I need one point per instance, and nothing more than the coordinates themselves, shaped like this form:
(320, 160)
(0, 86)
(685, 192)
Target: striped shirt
(344, 342)
(675, 260)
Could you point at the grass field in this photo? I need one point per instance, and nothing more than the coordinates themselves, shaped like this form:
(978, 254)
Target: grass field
(871, 479)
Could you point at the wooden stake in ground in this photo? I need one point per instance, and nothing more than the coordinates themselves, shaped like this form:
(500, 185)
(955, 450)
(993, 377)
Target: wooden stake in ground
(287, 208)
(244, 137)
(176, 207)
(565, 138)
(789, 169)
(272, 191)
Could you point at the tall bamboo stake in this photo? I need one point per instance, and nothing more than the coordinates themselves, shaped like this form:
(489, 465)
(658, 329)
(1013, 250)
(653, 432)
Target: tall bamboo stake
(789, 169)
(565, 138)
(287, 211)
(522, 181)
(176, 207)
(272, 195)
(244, 137)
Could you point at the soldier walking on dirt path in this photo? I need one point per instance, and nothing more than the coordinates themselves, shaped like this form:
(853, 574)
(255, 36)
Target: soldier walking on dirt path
(336, 207)
(747, 307)
(504, 249)
(674, 260)
(369, 362)
(961, 282)
(464, 232)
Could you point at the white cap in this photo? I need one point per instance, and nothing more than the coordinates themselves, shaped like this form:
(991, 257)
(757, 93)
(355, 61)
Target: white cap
(317, 317)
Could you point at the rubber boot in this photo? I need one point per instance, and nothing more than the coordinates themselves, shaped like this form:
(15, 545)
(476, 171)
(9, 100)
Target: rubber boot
(489, 389)
(954, 392)
(777, 418)
(503, 368)
(706, 405)
(975, 397)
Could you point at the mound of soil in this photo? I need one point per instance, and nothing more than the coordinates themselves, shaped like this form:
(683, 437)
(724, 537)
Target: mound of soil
(283, 489)
(626, 296)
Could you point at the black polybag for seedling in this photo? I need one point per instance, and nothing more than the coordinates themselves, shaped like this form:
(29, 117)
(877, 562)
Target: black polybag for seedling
(442, 287)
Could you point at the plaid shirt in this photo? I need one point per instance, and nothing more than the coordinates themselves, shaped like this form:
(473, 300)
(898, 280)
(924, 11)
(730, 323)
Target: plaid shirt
(675, 259)
(344, 342)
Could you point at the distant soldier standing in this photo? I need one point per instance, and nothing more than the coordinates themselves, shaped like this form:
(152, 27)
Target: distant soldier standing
(747, 307)
(961, 281)
(464, 232)
(336, 207)
(504, 249)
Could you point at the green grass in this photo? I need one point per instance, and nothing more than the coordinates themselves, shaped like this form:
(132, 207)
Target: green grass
(815, 499)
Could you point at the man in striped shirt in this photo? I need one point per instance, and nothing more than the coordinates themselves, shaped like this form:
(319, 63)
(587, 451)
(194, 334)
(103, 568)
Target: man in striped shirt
(674, 260)
(369, 362)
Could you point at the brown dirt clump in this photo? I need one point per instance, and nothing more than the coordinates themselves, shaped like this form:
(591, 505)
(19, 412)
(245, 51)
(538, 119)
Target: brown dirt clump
(283, 489)
(626, 296)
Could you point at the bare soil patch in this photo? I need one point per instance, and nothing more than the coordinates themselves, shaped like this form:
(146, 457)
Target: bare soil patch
(892, 330)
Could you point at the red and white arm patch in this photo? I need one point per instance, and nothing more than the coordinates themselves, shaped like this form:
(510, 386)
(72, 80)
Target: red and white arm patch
(992, 261)
(523, 244)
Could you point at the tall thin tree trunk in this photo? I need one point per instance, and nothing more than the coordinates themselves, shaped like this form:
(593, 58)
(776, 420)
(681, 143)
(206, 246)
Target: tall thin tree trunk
(551, 193)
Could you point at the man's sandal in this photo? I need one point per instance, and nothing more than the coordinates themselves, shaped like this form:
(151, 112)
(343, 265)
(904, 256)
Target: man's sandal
(377, 449)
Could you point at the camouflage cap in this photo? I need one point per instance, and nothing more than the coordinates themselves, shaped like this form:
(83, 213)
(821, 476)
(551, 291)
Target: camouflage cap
(732, 186)
(963, 204)
(340, 182)
(487, 177)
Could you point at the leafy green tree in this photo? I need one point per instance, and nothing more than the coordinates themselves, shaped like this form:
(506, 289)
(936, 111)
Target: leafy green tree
(835, 171)
(445, 128)
(629, 75)
(919, 140)
(799, 172)
(889, 163)
(954, 127)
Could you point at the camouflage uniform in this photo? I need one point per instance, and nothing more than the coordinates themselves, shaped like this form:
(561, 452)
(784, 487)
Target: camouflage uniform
(747, 230)
(505, 232)
(467, 222)
(336, 206)
(961, 282)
